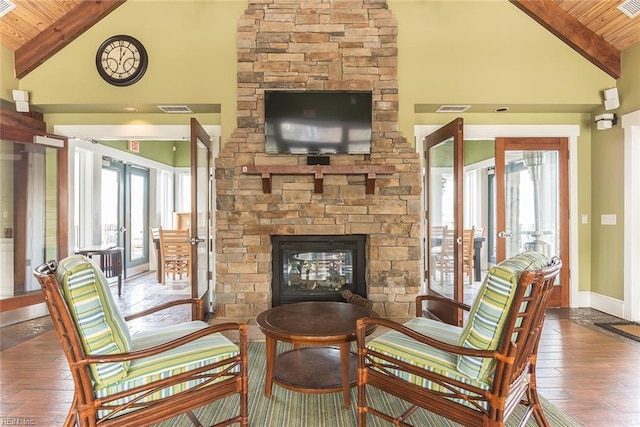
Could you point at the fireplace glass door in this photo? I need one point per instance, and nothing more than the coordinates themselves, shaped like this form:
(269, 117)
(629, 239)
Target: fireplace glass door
(317, 268)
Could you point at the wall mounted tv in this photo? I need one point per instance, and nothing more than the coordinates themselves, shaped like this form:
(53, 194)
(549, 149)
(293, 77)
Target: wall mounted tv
(318, 122)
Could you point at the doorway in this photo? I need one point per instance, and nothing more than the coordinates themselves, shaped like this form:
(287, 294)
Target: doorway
(531, 202)
(483, 168)
(124, 212)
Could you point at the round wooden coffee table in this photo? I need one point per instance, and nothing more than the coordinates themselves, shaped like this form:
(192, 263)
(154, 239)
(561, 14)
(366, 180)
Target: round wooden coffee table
(319, 324)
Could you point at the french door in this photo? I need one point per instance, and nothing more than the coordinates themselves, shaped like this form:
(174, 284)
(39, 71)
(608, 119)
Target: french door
(124, 212)
(532, 202)
(444, 218)
(201, 217)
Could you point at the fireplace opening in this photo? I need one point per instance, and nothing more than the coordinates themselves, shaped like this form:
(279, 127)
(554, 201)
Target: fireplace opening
(317, 268)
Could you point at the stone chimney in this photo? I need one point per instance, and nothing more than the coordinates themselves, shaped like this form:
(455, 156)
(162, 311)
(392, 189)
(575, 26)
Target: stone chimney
(317, 45)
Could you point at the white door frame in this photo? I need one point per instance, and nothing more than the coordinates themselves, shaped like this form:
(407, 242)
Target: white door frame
(631, 126)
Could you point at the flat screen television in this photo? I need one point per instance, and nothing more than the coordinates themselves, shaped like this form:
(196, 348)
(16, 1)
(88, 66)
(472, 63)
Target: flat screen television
(318, 122)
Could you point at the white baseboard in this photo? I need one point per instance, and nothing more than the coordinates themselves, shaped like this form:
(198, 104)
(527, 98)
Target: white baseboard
(612, 306)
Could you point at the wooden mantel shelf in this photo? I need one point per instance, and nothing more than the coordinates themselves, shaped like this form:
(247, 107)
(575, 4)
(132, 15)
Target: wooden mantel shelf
(319, 172)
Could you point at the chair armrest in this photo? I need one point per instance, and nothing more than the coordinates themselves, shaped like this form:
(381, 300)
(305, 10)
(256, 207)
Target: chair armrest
(439, 299)
(364, 323)
(193, 301)
(122, 357)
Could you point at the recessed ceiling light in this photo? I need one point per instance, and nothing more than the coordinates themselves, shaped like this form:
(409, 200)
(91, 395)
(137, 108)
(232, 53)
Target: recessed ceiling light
(501, 109)
(130, 109)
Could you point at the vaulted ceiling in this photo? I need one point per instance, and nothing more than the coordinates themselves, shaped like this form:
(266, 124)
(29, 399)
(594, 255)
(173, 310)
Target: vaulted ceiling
(597, 29)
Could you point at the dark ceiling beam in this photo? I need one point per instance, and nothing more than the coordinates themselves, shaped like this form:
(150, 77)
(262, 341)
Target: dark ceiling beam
(62, 32)
(568, 29)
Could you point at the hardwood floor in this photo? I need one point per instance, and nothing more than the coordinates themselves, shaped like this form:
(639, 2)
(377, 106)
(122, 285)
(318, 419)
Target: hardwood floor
(588, 372)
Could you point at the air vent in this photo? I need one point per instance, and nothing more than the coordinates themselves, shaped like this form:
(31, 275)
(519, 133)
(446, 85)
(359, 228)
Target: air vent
(5, 7)
(453, 108)
(631, 8)
(175, 109)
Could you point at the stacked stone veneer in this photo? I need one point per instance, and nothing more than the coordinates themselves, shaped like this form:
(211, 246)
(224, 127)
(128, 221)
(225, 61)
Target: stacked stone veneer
(317, 45)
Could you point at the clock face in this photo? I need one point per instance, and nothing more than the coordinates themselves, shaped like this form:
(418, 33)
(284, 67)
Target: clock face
(121, 60)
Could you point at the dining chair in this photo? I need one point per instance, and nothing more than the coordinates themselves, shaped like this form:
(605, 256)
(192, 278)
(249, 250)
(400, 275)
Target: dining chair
(468, 235)
(175, 251)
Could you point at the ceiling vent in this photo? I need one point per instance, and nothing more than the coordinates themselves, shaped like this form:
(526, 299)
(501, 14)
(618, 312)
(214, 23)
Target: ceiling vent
(631, 8)
(5, 7)
(453, 108)
(175, 109)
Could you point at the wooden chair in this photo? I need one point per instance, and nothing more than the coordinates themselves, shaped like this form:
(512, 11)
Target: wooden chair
(442, 255)
(467, 253)
(437, 232)
(138, 379)
(155, 239)
(474, 375)
(175, 251)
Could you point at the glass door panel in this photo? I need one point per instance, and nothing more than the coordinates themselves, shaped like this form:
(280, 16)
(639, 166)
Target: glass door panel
(112, 208)
(441, 219)
(136, 219)
(201, 216)
(532, 202)
(444, 216)
(30, 213)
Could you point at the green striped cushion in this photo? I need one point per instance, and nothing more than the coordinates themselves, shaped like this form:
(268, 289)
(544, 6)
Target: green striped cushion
(488, 314)
(198, 353)
(100, 324)
(436, 329)
(399, 346)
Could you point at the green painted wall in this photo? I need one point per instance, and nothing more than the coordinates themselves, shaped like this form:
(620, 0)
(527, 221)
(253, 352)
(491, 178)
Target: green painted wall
(446, 55)
(474, 151)
(159, 151)
(192, 59)
(607, 170)
(8, 82)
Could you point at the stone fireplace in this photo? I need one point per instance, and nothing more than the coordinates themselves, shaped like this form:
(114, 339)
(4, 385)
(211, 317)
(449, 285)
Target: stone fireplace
(317, 45)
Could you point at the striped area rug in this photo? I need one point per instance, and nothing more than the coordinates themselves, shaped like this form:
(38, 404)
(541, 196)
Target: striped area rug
(286, 408)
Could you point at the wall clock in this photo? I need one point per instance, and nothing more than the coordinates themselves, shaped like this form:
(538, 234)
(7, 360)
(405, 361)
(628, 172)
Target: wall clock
(121, 60)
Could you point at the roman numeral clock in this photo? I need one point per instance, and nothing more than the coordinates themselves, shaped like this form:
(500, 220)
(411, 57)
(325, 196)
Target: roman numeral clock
(121, 60)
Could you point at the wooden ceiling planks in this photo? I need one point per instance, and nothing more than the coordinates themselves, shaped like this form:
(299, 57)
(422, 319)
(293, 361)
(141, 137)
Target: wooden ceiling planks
(31, 17)
(62, 32)
(605, 19)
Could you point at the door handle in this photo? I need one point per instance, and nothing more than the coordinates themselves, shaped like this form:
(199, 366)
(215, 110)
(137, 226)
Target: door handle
(195, 240)
(505, 234)
(122, 229)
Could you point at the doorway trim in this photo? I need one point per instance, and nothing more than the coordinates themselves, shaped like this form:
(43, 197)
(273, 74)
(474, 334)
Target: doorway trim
(83, 136)
(572, 132)
(631, 126)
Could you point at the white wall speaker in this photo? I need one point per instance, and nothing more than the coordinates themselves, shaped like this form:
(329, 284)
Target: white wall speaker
(611, 100)
(20, 95)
